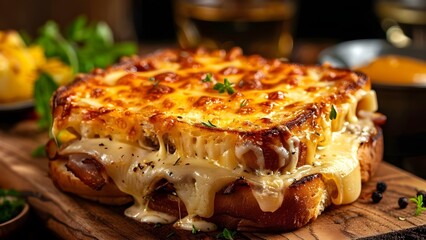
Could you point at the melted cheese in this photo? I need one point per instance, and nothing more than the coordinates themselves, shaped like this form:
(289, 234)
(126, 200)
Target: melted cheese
(136, 171)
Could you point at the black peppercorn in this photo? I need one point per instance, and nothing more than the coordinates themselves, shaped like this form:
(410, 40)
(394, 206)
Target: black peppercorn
(376, 196)
(381, 187)
(403, 202)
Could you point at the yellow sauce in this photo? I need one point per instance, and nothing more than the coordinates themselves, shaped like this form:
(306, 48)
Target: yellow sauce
(396, 70)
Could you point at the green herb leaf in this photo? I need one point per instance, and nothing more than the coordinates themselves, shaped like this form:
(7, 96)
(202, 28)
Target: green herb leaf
(226, 86)
(208, 78)
(55, 45)
(333, 113)
(86, 45)
(227, 234)
(194, 230)
(155, 81)
(43, 90)
(419, 204)
(209, 124)
(243, 103)
(9, 192)
(75, 30)
(39, 151)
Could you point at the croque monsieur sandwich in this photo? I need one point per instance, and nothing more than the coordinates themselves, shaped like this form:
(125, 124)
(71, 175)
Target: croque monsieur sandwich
(205, 139)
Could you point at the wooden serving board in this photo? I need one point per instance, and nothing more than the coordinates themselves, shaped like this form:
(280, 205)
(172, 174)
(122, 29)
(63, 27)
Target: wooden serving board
(71, 217)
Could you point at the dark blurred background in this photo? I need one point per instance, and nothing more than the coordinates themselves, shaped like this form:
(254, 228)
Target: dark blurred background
(317, 20)
(151, 21)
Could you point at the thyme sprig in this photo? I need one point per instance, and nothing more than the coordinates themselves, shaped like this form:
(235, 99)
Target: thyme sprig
(208, 124)
(226, 86)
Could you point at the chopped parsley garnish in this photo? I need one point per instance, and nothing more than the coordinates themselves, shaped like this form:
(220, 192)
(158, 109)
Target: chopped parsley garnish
(419, 204)
(243, 103)
(208, 78)
(226, 86)
(209, 124)
(333, 113)
(11, 204)
(227, 234)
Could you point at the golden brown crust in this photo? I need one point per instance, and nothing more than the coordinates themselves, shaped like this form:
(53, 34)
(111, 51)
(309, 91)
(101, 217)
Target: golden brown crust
(370, 154)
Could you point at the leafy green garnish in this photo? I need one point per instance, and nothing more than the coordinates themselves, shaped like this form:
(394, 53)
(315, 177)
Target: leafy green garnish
(419, 204)
(226, 86)
(54, 45)
(209, 124)
(333, 113)
(227, 234)
(208, 78)
(84, 46)
(11, 204)
(43, 90)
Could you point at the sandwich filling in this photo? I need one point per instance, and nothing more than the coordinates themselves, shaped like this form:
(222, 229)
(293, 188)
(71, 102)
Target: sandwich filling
(165, 117)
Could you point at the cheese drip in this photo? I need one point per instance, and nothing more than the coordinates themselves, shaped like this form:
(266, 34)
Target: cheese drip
(196, 180)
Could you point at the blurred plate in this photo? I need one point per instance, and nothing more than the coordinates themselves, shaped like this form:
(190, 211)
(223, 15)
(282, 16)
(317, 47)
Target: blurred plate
(352, 54)
(16, 106)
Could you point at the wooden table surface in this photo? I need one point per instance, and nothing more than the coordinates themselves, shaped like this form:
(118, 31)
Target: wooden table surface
(71, 217)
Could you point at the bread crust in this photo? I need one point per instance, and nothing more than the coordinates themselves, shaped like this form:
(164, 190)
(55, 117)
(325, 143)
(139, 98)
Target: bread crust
(304, 200)
(67, 182)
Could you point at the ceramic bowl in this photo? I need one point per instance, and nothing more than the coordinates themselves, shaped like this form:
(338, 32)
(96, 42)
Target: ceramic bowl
(11, 226)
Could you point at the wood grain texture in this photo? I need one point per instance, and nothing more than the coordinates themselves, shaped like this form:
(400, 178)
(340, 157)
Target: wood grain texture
(71, 217)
